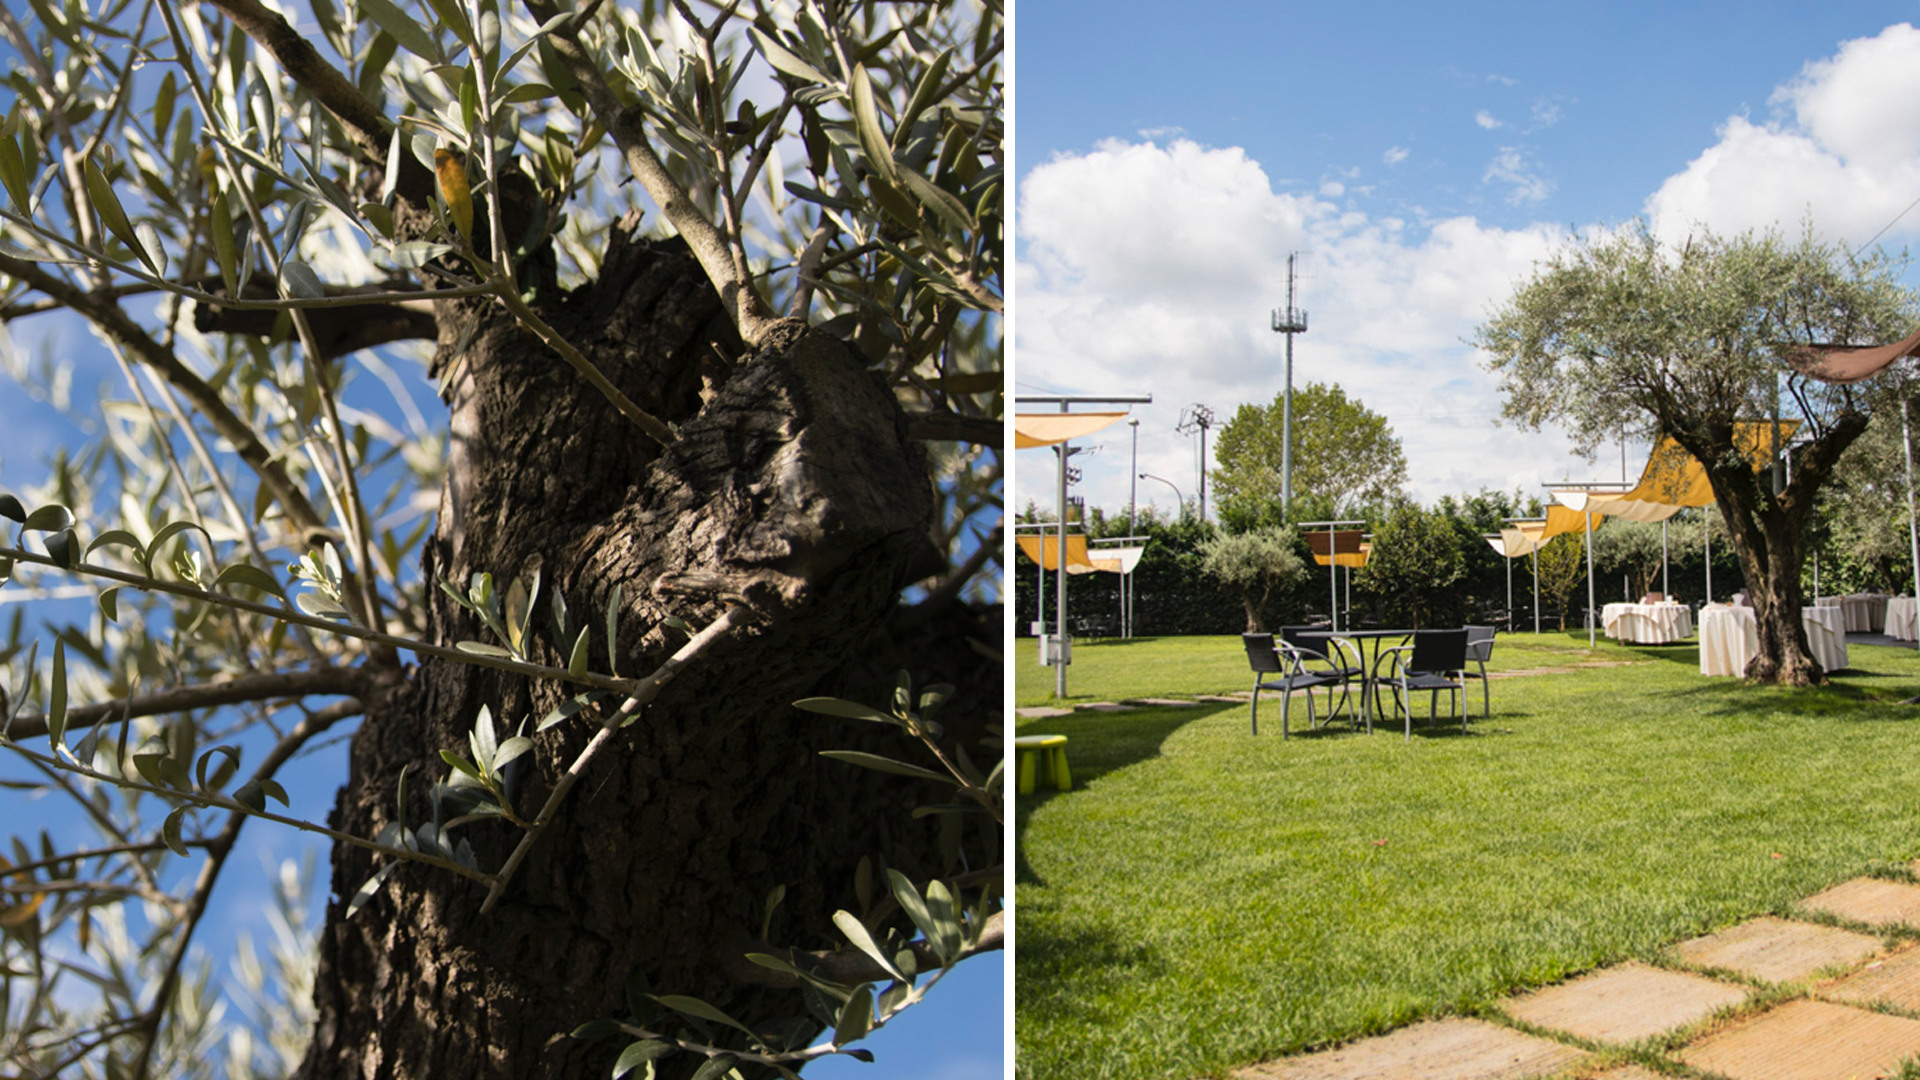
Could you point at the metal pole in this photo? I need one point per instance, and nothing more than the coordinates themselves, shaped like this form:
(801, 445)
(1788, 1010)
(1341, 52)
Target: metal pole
(1535, 553)
(1333, 580)
(1665, 589)
(1509, 563)
(1133, 503)
(1706, 530)
(1589, 518)
(1060, 589)
(1913, 531)
(1286, 409)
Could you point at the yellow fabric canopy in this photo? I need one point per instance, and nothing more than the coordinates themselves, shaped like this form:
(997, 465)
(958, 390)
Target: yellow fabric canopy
(1526, 537)
(1353, 560)
(1673, 479)
(1078, 561)
(1032, 430)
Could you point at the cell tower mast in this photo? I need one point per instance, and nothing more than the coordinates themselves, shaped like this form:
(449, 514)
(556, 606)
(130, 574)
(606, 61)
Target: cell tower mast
(1290, 321)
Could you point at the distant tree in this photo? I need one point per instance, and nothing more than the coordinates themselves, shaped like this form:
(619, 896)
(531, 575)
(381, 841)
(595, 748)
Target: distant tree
(1865, 514)
(1631, 548)
(1344, 455)
(1417, 567)
(1257, 563)
(1620, 333)
(1563, 566)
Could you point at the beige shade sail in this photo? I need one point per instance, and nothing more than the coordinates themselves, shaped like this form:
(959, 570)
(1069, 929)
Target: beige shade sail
(1531, 536)
(1077, 560)
(1673, 479)
(1849, 363)
(1511, 543)
(1116, 560)
(1032, 430)
(1352, 560)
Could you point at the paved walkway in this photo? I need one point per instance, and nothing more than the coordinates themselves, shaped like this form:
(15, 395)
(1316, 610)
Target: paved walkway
(1816, 997)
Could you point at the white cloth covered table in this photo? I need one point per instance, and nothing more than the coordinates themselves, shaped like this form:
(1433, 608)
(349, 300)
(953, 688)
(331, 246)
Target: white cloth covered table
(1903, 618)
(1647, 624)
(1729, 637)
(1866, 613)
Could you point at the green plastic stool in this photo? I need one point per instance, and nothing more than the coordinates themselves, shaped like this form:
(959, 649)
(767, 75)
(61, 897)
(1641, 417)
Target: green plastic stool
(1044, 755)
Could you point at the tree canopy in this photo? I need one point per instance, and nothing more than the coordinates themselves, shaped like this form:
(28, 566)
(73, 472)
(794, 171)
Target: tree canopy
(1344, 455)
(1257, 563)
(1621, 334)
(709, 295)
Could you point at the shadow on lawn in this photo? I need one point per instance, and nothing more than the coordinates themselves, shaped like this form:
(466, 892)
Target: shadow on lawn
(1097, 744)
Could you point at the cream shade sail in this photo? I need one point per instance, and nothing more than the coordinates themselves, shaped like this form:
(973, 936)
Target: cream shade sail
(1523, 538)
(1116, 560)
(1032, 430)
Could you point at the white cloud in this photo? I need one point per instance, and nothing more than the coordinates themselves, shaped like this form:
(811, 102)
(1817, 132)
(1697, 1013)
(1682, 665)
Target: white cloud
(1333, 189)
(1162, 134)
(1395, 155)
(1487, 120)
(1503, 80)
(1545, 113)
(1843, 150)
(1152, 269)
(1512, 166)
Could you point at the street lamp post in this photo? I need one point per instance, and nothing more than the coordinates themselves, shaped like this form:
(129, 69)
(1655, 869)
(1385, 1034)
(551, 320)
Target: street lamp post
(1176, 492)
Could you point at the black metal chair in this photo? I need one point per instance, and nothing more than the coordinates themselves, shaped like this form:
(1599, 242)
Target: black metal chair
(1280, 668)
(1322, 653)
(1479, 651)
(1436, 661)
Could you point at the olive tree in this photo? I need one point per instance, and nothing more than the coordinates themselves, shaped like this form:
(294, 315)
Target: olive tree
(1256, 563)
(1620, 333)
(712, 295)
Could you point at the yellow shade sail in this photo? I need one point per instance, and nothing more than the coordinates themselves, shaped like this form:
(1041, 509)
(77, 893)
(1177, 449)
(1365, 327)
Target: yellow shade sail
(1032, 430)
(1077, 560)
(1673, 478)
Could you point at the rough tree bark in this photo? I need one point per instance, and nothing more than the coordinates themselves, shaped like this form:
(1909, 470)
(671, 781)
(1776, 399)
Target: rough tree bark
(794, 482)
(1764, 529)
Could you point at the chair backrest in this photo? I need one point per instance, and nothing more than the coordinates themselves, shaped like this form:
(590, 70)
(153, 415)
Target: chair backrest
(1439, 650)
(1480, 642)
(1314, 646)
(1261, 655)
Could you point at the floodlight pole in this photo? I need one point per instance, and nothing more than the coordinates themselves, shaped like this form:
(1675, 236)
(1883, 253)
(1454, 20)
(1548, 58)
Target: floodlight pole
(1289, 322)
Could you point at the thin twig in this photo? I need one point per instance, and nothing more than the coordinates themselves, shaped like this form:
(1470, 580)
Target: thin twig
(648, 689)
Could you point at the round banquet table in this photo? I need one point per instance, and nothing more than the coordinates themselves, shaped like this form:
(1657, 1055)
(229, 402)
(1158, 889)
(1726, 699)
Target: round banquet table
(1729, 637)
(1647, 624)
(1903, 618)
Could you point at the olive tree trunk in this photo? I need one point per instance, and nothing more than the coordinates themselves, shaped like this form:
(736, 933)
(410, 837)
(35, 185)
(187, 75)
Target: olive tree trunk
(793, 487)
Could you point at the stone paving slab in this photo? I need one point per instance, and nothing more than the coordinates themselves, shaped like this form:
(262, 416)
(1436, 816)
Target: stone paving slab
(1624, 1072)
(1625, 1004)
(1871, 901)
(1227, 699)
(1104, 706)
(1041, 712)
(1808, 1040)
(1451, 1049)
(1895, 980)
(1171, 703)
(1777, 950)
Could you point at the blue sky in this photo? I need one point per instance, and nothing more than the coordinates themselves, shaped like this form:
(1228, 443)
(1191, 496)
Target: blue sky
(1422, 157)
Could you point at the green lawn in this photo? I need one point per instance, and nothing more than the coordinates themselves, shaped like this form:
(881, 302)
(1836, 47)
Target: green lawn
(1204, 898)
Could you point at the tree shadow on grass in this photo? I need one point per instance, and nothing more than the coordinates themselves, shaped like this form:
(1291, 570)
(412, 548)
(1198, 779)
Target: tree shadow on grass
(1097, 743)
(1849, 696)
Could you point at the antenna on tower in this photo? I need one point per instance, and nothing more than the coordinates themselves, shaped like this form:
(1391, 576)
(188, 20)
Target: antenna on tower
(1199, 418)
(1290, 320)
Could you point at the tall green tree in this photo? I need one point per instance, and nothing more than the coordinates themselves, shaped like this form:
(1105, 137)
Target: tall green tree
(711, 293)
(1345, 456)
(1417, 567)
(1621, 333)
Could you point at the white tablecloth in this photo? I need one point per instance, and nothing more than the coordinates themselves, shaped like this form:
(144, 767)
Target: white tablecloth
(1866, 613)
(1647, 624)
(1729, 637)
(1903, 613)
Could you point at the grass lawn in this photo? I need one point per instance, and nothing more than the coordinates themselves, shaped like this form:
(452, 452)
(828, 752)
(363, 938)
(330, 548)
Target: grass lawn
(1204, 899)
